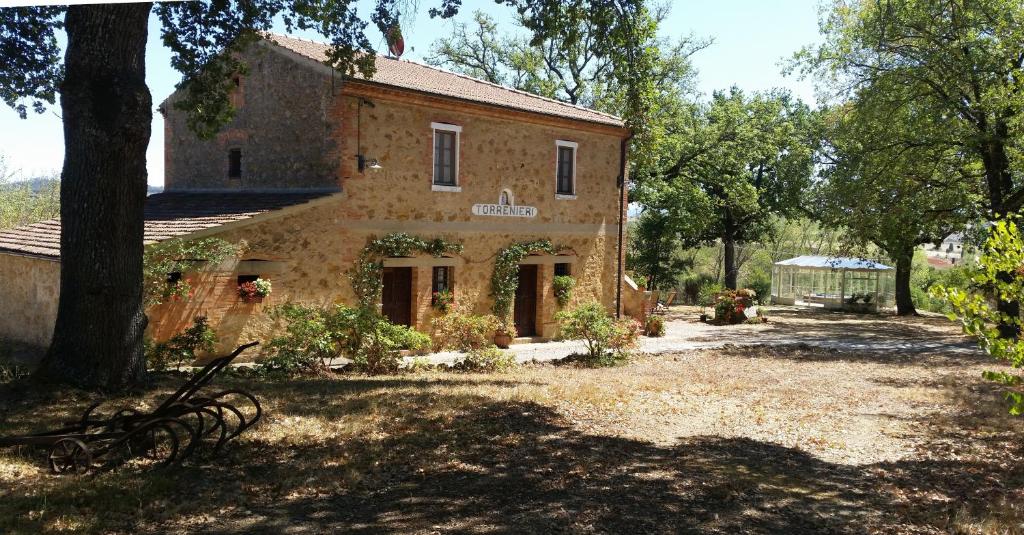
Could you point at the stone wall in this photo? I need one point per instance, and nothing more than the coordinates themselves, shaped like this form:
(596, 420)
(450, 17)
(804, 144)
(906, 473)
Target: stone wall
(28, 298)
(311, 252)
(281, 126)
(499, 150)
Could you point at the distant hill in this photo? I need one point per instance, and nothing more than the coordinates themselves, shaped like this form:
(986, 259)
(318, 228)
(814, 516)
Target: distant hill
(43, 183)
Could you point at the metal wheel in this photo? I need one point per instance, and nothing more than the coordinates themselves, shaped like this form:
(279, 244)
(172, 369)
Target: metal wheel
(69, 455)
(158, 440)
(257, 410)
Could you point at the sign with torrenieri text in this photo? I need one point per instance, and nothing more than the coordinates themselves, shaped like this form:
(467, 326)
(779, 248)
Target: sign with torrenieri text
(506, 207)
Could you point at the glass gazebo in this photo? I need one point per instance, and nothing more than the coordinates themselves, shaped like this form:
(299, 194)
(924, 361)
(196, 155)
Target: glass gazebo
(835, 283)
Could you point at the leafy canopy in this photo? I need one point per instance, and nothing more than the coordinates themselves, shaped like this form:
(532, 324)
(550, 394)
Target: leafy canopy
(733, 165)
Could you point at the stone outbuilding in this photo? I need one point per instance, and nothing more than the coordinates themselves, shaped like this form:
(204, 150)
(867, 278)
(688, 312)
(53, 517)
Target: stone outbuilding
(315, 165)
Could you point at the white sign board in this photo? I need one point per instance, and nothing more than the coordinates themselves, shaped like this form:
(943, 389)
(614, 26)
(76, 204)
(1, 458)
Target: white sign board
(506, 207)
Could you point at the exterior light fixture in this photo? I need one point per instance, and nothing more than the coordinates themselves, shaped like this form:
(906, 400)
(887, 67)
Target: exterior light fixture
(372, 163)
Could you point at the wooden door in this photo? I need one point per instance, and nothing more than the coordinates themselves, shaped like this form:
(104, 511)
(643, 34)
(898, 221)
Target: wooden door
(396, 296)
(526, 302)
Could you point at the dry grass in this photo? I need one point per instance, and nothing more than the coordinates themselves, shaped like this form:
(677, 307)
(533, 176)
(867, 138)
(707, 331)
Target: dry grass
(775, 440)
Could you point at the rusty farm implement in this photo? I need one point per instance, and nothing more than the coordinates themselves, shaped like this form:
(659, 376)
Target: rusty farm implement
(172, 432)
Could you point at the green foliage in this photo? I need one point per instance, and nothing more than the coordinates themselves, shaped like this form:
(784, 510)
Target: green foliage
(182, 347)
(924, 277)
(976, 309)
(760, 282)
(366, 275)
(314, 335)
(655, 250)
(26, 202)
(253, 289)
(733, 166)
(655, 326)
(618, 65)
(691, 285)
(609, 341)
(505, 278)
(487, 359)
(375, 344)
(708, 292)
(179, 256)
(310, 339)
(730, 306)
(464, 332)
(563, 285)
(945, 75)
(442, 301)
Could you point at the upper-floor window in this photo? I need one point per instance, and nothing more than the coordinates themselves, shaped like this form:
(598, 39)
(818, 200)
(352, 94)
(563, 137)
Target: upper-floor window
(235, 163)
(446, 156)
(565, 168)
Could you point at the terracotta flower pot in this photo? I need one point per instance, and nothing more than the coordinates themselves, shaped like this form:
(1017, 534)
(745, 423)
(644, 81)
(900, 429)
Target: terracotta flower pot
(252, 299)
(502, 340)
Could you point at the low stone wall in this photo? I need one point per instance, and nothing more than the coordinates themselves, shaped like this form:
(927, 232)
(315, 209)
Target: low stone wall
(29, 288)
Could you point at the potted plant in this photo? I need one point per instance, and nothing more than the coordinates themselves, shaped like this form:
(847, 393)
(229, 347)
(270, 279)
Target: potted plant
(505, 332)
(254, 291)
(562, 286)
(442, 301)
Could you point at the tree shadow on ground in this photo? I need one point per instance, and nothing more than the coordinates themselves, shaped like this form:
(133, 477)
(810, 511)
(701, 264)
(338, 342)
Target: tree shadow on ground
(426, 456)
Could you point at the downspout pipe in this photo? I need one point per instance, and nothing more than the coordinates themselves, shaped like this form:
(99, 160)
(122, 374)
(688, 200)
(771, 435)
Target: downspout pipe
(623, 150)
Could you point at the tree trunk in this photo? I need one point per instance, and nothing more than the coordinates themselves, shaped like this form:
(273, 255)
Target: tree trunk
(904, 300)
(1000, 185)
(729, 245)
(107, 112)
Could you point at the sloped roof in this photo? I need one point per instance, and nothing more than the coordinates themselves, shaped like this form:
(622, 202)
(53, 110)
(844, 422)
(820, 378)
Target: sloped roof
(168, 215)
(833, 262)
(407, 74)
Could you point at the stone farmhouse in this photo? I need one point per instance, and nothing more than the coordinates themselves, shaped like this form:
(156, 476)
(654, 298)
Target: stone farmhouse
(315, 165)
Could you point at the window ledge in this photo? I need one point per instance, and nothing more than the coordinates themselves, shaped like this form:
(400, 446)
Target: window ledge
(560, 197)
(450, 189)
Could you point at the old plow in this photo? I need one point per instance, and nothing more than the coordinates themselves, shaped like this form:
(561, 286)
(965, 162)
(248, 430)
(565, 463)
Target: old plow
(174, 431)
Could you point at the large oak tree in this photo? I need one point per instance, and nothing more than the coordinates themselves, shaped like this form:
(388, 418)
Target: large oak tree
(959, 61)
(734, 165)
(107, 112)
(888, 190)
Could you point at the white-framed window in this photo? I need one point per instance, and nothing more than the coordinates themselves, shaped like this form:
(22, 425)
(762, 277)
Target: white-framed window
(565, 169)
(446, 157)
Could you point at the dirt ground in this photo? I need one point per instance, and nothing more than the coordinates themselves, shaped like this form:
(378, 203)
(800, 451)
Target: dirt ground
(787, 439)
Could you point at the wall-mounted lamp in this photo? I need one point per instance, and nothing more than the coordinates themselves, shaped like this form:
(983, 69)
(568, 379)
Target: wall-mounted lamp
(361, 160)
(372, 164)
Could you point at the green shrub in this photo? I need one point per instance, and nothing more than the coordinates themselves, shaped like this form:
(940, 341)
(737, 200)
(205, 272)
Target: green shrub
(608, 340)
(708, 291)
(314, 335)
(730, 306)
(420, 364)
(761, 283)
(487, 359)
(182, 347)
(309, 341)
(563, 285)
(655, 326)
(691, 288)
(378, 346)
(458, 331)
(999, 276)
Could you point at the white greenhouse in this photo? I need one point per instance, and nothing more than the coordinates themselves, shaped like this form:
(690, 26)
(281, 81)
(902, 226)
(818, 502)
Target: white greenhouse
(835, 283)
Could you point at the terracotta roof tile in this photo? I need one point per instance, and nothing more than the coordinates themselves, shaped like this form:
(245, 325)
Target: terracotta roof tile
(419, 77)
(168, 215)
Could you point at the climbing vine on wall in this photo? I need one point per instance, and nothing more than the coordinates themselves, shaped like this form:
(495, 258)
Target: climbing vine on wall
(366, 274)
(506, 273)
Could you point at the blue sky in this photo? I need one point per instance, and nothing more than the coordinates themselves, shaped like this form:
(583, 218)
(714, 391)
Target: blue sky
(751, 38)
